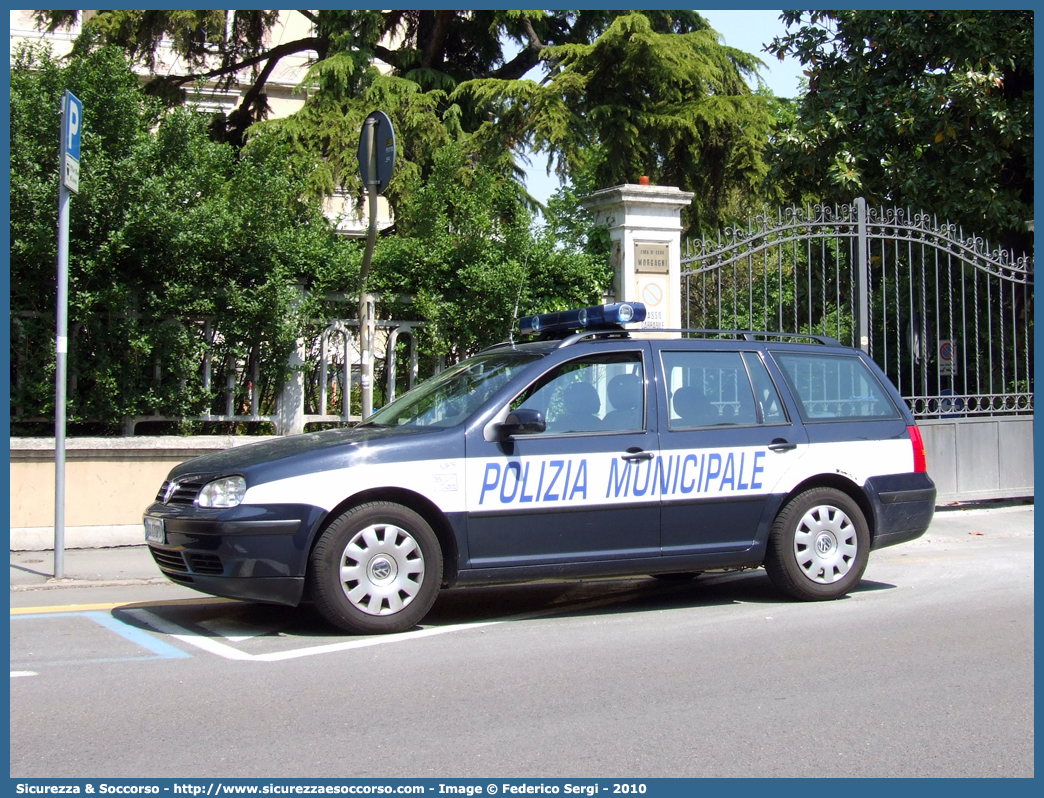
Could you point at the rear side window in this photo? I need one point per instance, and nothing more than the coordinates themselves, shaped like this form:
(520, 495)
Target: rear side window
(709, 389)
(834, 386)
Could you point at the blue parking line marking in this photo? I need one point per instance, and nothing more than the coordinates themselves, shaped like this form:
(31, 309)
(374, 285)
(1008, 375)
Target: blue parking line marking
(138, 637)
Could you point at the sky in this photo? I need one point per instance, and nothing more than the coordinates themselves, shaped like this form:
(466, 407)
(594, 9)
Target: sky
(749, 31)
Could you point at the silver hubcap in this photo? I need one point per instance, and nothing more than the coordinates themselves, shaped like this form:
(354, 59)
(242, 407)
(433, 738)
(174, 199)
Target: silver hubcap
(825, 544)
(382, 569)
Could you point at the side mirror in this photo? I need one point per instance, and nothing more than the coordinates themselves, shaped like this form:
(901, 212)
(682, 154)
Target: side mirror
(522, 422)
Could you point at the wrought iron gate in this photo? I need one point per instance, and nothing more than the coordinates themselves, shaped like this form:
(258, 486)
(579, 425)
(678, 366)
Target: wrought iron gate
(947, 318)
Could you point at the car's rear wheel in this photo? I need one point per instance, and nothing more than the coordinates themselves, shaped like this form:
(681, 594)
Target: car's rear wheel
(819, 545)
(376, 569)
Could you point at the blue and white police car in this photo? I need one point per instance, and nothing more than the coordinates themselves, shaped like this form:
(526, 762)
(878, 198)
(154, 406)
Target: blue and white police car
(590, 450)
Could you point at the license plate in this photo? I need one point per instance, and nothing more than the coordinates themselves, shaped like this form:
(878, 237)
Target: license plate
(154, 532)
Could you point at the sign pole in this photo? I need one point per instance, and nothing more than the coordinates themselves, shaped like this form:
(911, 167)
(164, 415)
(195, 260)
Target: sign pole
(366, 364)
(68, 183)
(61, 352)
(376, 162)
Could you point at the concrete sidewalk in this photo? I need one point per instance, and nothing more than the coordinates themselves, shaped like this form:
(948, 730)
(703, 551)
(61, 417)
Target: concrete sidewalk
(123, 565)
(133, 565)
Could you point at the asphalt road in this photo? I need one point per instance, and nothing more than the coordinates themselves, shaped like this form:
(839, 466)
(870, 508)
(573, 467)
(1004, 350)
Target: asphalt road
(926, 670)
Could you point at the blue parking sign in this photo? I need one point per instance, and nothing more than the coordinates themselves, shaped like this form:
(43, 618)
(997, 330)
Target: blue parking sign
(72, 125)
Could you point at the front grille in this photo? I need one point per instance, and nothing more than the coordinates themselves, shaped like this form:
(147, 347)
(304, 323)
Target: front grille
(204, 563)
(182, 562)
(169, 560)
(186, 492)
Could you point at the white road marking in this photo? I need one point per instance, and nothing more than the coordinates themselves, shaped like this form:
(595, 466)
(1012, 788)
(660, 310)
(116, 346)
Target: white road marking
(15, 674)
(212, 646)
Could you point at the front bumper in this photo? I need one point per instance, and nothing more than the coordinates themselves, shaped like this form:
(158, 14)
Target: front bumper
(904, 505)
(252, 552)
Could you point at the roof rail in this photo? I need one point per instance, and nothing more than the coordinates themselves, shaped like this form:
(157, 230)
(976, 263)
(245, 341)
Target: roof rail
(563, 338)
(750, 335)
(569, 340)
(746, 335)
(758, 334)
(621, 332)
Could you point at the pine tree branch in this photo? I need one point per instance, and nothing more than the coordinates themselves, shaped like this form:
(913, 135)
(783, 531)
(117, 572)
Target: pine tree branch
(517, 66)
(273, 56)
(390, 57)
(531, 34)
(436, 43)
(528, 58)
(244, 115)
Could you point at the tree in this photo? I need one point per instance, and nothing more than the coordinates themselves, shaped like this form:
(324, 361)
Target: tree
(174, 235)
(665, 99)
(654, 92)
(168, 231)
(467, 252)
(929, 109)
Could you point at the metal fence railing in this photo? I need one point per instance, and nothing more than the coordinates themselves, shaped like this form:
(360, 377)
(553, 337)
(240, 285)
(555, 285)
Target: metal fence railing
(329, 365)
(241, 383)
(946, 317)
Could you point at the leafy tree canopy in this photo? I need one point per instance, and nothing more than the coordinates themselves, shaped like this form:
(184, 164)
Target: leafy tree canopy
(468, 253)
(172, 230)
(931, 109)
(653, 96)
(654, 92)
(169, 229)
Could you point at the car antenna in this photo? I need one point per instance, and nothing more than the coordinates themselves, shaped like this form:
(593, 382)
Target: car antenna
(514, 315)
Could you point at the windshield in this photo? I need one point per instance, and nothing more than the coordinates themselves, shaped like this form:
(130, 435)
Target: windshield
(451, 397)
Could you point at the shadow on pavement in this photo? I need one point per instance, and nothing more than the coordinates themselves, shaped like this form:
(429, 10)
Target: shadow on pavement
(473, 605)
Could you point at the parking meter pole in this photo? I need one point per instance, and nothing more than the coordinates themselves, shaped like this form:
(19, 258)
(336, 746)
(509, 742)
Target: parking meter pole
(61, 353)
(365, 344)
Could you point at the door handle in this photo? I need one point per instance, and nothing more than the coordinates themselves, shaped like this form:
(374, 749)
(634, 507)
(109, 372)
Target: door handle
(636, 455)
(781, 445)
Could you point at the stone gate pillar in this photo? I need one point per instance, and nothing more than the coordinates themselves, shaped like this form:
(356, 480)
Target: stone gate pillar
(645, 229)
(290, 406)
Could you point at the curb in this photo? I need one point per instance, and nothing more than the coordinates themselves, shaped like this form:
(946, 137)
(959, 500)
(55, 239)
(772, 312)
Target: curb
(58, 584)
(965, 509)
(41, 538)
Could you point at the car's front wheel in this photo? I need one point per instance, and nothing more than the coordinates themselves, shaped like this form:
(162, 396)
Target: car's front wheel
(819, 545)
(376, 569)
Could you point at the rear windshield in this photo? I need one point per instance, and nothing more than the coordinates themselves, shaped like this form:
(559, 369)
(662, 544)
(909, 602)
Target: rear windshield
(834, 386)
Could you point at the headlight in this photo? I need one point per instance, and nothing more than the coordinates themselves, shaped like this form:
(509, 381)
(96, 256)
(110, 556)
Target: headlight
(224, 492)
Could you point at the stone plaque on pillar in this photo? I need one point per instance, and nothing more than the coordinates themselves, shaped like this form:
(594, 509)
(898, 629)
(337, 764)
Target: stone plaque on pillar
(652, 283)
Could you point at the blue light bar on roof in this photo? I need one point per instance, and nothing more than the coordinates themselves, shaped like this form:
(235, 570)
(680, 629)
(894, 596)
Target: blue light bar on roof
(592, 318)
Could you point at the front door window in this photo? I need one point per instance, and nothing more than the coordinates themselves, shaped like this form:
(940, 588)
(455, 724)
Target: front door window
(600, 393)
